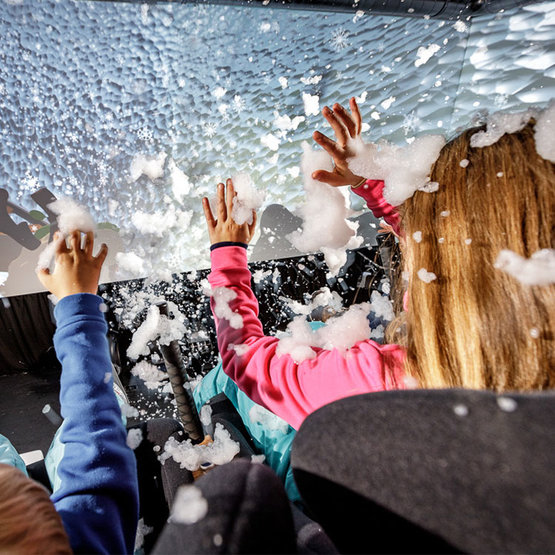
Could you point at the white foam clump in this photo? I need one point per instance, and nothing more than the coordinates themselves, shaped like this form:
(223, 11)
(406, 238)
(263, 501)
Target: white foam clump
(311, 104)
(151, 166)
(339, 333)
(260, 275)
(221, 451)
(378, 333)
(142, 531)
(314, 80)
(344, 331)
(205, 415)
(324, 212)
(423, 54)
(507, 404)
(128, 411)
(155, 327)
(149, 373)
(71, 216)
(298, 341)
(159, 222)
(326, 297)
(499, 124)
(285, 123)
(222, 297)
(425, 276)
(247, 199)
(181, 186)
(544, 133)
(134, 438)
(47, 255)
(219, 92)
(404, 169)
(189, 505)
(270, 141)
(417, 236)
(131, 263)
(539, 269)
(267, 419)
(323, 298)
(381, 306)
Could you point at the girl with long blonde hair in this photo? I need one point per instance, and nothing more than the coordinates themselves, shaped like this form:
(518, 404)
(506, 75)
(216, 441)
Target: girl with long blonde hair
(467, 323)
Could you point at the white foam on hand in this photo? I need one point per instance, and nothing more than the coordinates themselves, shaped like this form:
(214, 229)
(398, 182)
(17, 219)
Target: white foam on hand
(247, 199)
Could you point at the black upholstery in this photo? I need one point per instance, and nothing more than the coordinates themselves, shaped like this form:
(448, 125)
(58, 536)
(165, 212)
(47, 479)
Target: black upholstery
(432, 471)
(248, 512)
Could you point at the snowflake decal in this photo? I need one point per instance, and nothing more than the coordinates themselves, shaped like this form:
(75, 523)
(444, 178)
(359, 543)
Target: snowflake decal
(238, 104)
(339, 39)
(410, 123)
(145, 134)
(210, 129)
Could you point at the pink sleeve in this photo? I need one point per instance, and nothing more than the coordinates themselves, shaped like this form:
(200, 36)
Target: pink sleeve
(372, 193)
(290, 390)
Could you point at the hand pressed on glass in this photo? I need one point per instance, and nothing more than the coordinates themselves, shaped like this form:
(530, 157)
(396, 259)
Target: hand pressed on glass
(346, 127)
(76, 270)
(224, 228)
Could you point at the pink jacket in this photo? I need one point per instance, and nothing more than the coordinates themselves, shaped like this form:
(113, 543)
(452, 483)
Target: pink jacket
(291, 390)
(372, 193)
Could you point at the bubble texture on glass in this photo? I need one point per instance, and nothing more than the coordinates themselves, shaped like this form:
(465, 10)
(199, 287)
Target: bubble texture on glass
(87, 86)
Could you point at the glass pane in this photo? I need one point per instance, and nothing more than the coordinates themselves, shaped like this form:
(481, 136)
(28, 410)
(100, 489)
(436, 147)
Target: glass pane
(90, 91)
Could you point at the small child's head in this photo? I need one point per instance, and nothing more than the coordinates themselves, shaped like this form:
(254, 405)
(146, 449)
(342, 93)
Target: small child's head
(29, 522)
(470, 324)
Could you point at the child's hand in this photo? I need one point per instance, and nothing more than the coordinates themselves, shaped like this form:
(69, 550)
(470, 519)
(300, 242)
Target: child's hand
(344, 125)
(224, 228)
(76, 269)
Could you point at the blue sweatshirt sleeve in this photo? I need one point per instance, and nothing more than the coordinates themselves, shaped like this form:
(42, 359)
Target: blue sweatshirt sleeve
(98, 495)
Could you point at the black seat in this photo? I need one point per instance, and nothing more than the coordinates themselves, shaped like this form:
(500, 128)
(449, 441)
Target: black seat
(432, 471)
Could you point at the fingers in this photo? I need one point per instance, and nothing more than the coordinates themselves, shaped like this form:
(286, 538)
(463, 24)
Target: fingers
(75, 241)
(102, 254)
(329, 146)
(333, 179)
(338, 127)
(356, 115)
(61, 246)
(345, 118)
(89, 243)
(222, 211)
(44, 277)
(230, 194)
(43, 272)
(210, 220)
(253, 225)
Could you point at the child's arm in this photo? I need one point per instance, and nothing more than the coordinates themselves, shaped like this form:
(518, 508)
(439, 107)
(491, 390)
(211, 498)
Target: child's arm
(290, 390)
(98, 495)
(346, 127)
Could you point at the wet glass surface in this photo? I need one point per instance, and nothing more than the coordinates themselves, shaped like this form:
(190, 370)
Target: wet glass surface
(88, 87)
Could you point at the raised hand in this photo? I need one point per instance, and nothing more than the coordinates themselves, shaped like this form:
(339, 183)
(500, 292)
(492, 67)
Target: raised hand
(345, 126)
(224, 228)
(76, 270)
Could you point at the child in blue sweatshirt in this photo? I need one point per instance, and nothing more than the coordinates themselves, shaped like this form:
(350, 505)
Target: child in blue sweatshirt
(97, 497)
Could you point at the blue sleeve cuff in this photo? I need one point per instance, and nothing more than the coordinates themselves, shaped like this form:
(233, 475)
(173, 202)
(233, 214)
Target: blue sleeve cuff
(228, 244)
(78, 305)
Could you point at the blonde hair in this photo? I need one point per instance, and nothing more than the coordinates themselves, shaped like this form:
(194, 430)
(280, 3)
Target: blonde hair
(474, 326)
(29, 522)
